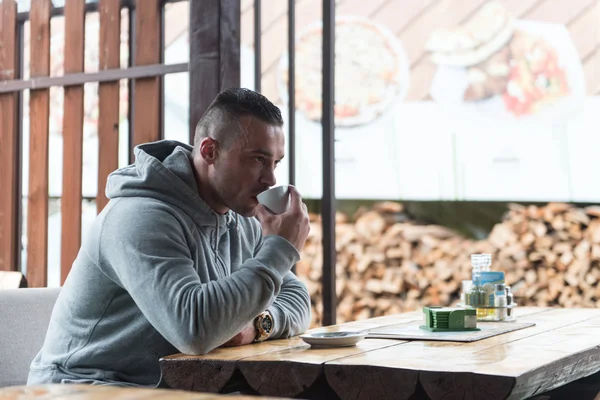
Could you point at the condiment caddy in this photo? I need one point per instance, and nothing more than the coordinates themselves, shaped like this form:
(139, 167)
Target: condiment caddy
(487, 291)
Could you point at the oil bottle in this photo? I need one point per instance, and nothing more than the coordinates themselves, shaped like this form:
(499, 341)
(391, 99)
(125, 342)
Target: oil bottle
(480, 298)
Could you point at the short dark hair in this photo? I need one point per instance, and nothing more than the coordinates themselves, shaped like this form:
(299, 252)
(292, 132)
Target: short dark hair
(228, 107)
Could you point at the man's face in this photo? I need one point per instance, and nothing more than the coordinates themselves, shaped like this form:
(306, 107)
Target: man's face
(247, 167)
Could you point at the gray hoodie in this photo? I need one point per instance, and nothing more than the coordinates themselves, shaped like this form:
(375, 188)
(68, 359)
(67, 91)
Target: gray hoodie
(161, 273)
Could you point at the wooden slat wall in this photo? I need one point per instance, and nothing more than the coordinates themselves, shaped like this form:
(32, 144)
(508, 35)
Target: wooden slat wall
(108, 108)
(72, 136)
(147, 108)
(147, 91)
(9, 147)
(39, 110)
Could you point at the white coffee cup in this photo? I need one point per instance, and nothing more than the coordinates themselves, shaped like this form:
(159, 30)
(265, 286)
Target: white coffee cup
(276, 199)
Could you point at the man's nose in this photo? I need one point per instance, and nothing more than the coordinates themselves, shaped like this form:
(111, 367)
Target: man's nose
(268, 177)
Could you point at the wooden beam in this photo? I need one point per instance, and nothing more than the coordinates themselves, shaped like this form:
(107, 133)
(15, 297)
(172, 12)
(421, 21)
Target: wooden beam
(109, 75)
(89, 7)
(147, 90)
(72, 137)
(213, 372)
(108, 108)
(39, 113)
(9, 142)
(214, 53)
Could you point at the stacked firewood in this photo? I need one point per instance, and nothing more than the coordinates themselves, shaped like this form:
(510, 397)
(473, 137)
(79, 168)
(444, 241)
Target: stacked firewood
(388, 263)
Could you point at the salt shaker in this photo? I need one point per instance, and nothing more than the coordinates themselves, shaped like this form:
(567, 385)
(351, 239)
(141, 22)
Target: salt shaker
(500, 301)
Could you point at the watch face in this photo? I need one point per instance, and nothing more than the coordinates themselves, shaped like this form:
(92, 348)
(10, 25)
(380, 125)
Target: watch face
(267, 324)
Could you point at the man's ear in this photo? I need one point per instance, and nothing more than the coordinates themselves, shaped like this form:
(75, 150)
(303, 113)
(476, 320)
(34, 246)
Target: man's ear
(208, 150)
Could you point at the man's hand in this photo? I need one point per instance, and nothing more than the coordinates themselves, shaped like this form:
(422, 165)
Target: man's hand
(246, 336)
(293, 225)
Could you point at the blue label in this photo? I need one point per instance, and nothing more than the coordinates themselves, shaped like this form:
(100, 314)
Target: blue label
(492, 277)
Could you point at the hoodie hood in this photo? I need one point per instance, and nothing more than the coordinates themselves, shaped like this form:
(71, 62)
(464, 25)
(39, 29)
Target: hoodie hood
(164, 171)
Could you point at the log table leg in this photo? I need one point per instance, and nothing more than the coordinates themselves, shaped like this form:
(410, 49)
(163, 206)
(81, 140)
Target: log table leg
(211, 376)
(465, 385)
(361, 382)
(284, 380)
(299, 371)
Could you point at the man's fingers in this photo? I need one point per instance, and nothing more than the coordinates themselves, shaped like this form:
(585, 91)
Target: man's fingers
(296, 199)
(262, 212)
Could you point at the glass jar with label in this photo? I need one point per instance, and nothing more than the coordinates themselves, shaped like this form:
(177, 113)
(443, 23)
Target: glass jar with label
(478, 298)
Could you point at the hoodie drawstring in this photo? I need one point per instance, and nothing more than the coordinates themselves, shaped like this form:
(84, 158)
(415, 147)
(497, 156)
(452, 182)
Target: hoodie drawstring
(216, 238)
(217, 232)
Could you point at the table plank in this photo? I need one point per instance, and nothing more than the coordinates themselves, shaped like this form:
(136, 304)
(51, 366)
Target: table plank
(101, 392)
(567, 354)
(371, 323)
(211, 372)
(533, 365)
(293, 371)
(450, 356)
(496, 367)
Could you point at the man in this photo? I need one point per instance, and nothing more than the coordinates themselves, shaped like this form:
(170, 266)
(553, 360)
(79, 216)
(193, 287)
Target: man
(176, 262)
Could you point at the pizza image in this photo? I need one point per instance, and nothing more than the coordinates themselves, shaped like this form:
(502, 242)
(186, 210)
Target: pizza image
(486, 32)
(501, 60)
(371, 71)
(535, 77)
(489, 78)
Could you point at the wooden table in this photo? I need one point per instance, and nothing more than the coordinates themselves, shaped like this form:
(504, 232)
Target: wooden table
(562, 347)
(99, 392)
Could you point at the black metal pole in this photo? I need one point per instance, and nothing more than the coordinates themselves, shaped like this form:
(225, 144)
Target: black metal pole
(131, 82)
(292, 90)
(328, 122)
(292, 95)
(257, 46)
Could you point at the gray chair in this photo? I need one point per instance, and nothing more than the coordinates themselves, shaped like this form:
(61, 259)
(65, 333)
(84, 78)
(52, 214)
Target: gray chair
(24, 318)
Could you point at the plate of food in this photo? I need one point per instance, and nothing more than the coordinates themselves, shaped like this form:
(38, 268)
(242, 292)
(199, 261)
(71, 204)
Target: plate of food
(499, 67)
(371, 71)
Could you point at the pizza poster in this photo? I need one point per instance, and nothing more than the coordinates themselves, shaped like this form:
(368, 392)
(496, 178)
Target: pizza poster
(443, 100)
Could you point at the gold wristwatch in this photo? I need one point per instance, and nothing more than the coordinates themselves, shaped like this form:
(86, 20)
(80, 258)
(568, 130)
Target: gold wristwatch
(264, 326)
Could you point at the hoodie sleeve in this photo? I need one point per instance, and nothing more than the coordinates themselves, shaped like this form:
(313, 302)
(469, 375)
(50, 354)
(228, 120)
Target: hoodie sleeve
(291, 309)
(143, 248)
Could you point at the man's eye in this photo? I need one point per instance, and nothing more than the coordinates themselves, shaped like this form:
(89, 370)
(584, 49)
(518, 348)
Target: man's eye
(260, 159)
